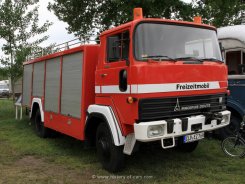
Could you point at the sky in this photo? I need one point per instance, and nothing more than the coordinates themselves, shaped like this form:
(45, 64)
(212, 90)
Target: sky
(57, 32)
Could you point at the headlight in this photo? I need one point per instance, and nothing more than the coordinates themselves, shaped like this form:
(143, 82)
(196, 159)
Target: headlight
(225, 118)
(155, 131)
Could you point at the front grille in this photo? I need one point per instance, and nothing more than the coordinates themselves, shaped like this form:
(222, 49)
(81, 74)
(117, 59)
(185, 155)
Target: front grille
(167, 108)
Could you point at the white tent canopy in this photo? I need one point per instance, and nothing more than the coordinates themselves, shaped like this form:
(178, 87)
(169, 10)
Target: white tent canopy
(232, 36)
(236, 32)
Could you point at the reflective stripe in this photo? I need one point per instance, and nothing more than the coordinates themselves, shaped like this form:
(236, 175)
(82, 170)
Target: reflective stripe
(158, 88)
(134, 88)
(173, 87)
(97, 89)
(114, 89)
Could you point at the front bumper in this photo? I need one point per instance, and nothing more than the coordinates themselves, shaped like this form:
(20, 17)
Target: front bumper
(178, 127)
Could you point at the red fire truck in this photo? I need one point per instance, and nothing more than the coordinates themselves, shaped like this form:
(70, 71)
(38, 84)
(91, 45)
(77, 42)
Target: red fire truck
(148, 80)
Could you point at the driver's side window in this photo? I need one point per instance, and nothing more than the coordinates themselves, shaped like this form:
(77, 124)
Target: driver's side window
(118, 47)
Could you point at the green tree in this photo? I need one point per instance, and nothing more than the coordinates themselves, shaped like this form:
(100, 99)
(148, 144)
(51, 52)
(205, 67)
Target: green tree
(88, 16)
(19, 29)
(3, 75)
(220, 12)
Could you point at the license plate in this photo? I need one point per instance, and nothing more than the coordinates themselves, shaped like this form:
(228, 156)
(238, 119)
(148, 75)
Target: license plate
(193, 137)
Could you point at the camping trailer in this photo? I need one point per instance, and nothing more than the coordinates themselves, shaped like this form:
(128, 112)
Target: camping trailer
(232, 39)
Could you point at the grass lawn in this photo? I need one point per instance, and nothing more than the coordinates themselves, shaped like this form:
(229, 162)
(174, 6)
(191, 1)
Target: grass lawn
(26, 158)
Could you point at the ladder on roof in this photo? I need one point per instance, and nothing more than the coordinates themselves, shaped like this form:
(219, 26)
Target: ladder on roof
(62, 46)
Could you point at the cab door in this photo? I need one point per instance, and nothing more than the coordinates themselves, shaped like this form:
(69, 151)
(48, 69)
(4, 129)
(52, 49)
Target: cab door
(114, 74)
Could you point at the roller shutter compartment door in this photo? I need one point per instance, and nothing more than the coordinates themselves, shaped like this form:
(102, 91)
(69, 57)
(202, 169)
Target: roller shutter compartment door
(27, 81)
(72, 85)
(38, 79)
(52, 85)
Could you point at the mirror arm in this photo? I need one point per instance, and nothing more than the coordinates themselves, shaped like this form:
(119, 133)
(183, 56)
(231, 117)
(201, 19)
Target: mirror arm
(127, 61)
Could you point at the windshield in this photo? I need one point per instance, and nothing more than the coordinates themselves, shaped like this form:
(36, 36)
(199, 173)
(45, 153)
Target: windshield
(175, 41)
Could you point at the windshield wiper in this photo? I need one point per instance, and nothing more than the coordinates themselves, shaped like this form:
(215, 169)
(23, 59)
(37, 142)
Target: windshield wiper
(212, 59)
(189, 58)
(159, 57)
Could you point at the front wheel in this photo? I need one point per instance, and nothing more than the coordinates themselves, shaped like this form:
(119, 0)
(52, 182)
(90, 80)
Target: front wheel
(111, 156)
(233, 146)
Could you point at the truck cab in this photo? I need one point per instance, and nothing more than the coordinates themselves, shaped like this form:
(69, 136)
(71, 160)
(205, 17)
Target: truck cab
(163, 79)
(149, 66)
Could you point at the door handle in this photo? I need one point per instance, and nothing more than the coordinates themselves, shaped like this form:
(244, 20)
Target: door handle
(103, 75)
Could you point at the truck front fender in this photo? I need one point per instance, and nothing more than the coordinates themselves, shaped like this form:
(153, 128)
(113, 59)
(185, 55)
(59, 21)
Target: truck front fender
(108, 114)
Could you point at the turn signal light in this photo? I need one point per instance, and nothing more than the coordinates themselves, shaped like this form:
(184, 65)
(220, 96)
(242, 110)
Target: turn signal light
(138, 14)
(198, 19)
(131, 100)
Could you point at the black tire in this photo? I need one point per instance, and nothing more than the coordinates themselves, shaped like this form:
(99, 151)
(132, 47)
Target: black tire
(230, 129)
(187, 147)
(41, 130)
(233, 146)
(110, 156)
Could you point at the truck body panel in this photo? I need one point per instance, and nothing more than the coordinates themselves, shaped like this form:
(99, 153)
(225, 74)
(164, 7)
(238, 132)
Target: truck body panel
(65, 83)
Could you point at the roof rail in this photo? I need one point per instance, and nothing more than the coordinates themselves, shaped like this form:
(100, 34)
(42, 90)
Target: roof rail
(39, 52)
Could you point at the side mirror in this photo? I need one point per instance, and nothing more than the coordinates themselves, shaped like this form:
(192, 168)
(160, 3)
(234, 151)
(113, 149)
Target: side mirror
(221, 48)
(127, 61)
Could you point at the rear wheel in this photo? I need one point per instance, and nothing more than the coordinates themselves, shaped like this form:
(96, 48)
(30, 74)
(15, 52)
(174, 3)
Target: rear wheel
(233, 146)
(188, 147)
(111, 156)
(41, 130)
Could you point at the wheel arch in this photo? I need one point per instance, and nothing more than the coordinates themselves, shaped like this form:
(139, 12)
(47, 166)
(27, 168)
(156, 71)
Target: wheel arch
(36, 104)
(98, 114)
(93, 121)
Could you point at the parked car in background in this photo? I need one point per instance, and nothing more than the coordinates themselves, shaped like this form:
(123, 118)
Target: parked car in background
(17, 87)
(4, 89)
(232, 39)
